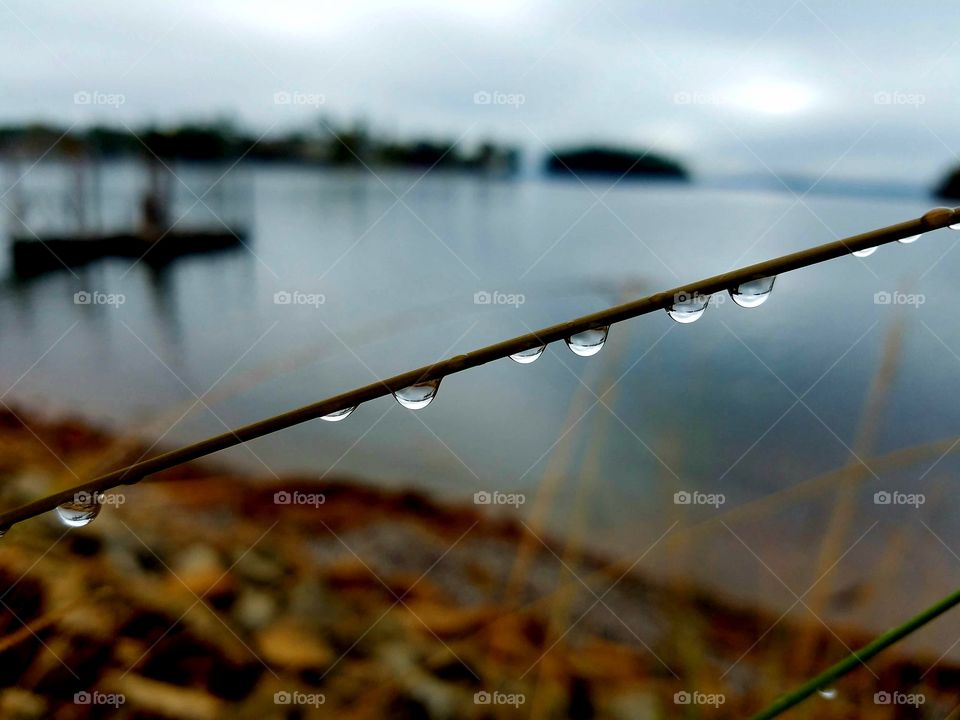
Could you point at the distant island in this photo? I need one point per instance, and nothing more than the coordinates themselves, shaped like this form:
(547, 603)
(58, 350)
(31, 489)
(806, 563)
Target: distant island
(320, 144)
(615, 162)
(949, 187)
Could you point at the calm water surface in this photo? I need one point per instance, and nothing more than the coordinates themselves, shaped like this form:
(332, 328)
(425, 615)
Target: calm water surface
(743, 402)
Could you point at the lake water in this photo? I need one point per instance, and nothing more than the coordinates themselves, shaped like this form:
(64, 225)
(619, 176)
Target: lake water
(710, 407)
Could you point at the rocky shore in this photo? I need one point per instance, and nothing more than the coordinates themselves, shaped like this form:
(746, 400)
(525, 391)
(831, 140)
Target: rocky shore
(200, 594)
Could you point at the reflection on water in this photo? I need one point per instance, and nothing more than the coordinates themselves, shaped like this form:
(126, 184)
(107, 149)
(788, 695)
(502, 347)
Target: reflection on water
(349, 278)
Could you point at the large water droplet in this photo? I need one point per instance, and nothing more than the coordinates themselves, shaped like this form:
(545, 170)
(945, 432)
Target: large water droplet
(911, 239)
(419, 395)
(588, 342)
(827, 693)
(866, 252)
(338, 415)
(525, 357)
(956, 226)
(688, 308)
(753, 293)
(80, 511)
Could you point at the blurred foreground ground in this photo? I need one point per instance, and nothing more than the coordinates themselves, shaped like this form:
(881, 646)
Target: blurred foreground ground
(205, 595)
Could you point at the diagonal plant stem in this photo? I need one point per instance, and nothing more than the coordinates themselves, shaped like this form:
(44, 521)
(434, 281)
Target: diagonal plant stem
(932, 220)
(855, 659)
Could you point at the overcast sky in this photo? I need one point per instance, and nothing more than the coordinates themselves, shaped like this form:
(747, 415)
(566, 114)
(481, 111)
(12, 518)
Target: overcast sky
(853, 89)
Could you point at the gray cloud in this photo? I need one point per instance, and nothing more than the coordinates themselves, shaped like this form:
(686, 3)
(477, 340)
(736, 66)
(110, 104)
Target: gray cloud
(612, 70)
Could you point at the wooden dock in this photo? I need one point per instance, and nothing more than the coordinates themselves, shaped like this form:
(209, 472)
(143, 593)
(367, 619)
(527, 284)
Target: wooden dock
(34, 256)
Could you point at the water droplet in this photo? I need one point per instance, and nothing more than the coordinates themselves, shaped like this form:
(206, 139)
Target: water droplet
(3, 531)
(955, 226)
(911, 239)
(866, 252)
(827, 693)
(419, 395)
(688, 308)
(525, 357)
(753, 293)
(338, 415)
(588, 342)
(80, 511)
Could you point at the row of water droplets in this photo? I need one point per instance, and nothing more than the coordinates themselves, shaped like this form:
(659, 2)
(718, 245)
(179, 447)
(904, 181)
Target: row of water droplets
(590, 342)
(867, 252)
(85, 507)
(687, 309)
